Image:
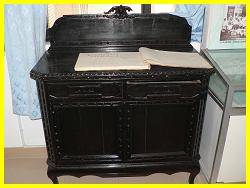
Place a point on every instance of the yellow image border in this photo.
(112, 2)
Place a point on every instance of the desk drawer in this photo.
(85, 90)
(160, 90)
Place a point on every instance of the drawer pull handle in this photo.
(85, 95)
(161, 95)
(87, 89)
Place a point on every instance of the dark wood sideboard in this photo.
(120, 123)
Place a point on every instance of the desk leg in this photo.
(192, 176)
(53, 177)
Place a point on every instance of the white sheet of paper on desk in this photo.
(110, 61)
(173, 59)
(139, 60)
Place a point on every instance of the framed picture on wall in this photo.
(224, 26)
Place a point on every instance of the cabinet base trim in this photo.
(126, 171)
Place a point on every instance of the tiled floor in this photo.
(29, 166)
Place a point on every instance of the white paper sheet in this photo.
(110, 61)
(173, 59)
(139, 60)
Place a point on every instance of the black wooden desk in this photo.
(120, 123)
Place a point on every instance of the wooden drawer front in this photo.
(86, 90)
(160, 90)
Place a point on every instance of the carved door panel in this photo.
(164, 131)
(87, 133)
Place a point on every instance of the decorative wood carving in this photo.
(120, 12)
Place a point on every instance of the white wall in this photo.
(233, 163)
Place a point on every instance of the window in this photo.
(57, 10)
(162, 8)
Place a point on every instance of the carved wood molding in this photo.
(120, 12)
(109, 75)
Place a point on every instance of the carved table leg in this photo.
(192, 176)
(54, 180)
(53, 177)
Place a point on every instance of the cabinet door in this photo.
(164, 131)
(86, 133)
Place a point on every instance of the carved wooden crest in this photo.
(120, 12)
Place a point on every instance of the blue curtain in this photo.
(194, 13)
(25, 31)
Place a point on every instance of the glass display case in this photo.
(223, 136)
(227, 84)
